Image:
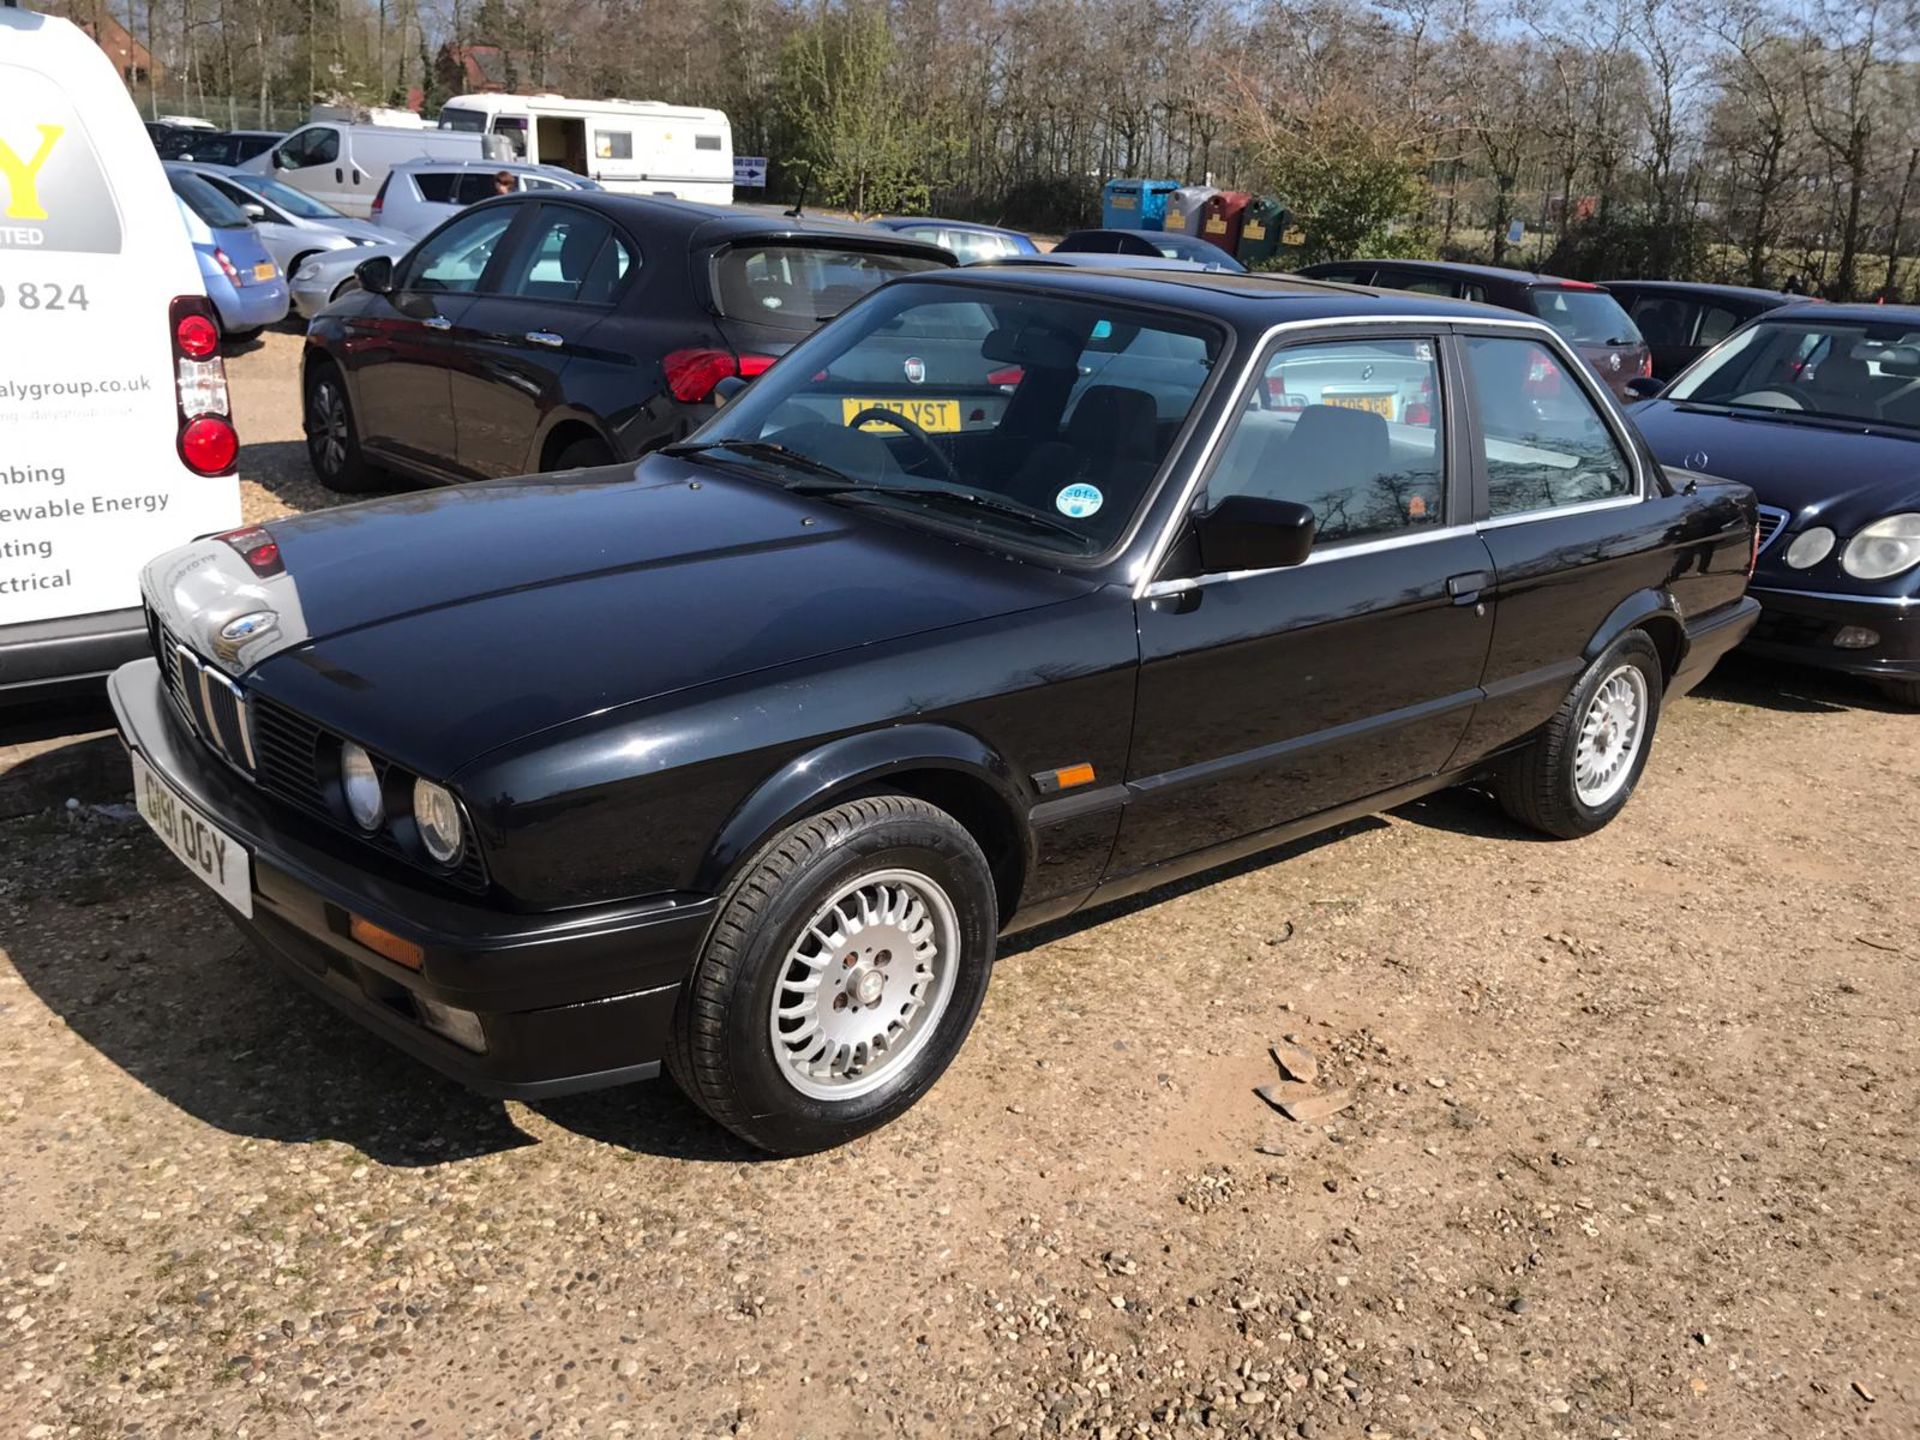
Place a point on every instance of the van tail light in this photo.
(207, 441)
(1420, 408)
(1543, 377)
(692, 374)
(1009, 376)
(226, 265)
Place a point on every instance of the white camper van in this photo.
(343, 165)
(641, 147)
(115, 437)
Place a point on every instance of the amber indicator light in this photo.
(385, 942)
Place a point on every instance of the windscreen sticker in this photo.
(1077, 502)
(53, 195)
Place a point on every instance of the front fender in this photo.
(848, 765)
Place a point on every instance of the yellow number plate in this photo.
(936, 416)
(264, 270)
(1378, 404)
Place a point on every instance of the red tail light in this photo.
(226, 265)
(1010, 376)
(1543, 377)
(1646, 365)
(692, 374)
(1420, 409)
(207, 441)
(209, 445)
(195, 336)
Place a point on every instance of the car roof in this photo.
(1691, 287)
(517, 167)
(1245, 299)
(1097, 258)
(1504, 273)
(903, 222)
(1860, 314)
(711, 225)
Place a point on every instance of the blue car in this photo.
(1149, 243)
(1817, 407)
(967, 240)
(245, 285)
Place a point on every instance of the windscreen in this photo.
(1834, 370)
(795, 287)
(457, 118)
(209, 204)
(1586, 317)
(1004, 415)
(294, 202)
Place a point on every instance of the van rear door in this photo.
(96, 399)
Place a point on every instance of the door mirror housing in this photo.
(253, 211)
(1253, 532)
(727, 389)
(375, 275)
(1644, 386)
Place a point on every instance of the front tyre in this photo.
(1579, 771)
(841, 976)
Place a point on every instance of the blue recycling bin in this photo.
(1136, 204)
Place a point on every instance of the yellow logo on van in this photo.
(23, 176)
(54, 191)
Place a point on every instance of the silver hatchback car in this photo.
(418, 194)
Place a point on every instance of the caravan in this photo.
(641, 147)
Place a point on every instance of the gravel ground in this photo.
(1632, 1152)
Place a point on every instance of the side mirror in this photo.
(1253, 532)
(254, 212)
(280, 160)
(729, 387)
(1645, 386)
(375, 275)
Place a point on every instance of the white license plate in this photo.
(203, 847)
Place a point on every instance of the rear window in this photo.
(436, 188)
(208, 203)
(796, 287)
(1586, 317)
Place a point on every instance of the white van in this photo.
(343, 165)
(641, 147)
(115, 441)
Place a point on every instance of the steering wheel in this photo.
(911, 429)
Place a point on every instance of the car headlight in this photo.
(1884, 548)
(1810, 547)
(361, 784)
(438, 816)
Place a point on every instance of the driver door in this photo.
(403, 346)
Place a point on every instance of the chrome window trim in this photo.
(1160, 588)
(1585, 507)
(1439, 325)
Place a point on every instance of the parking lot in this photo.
(1633, 1153)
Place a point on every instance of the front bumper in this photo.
(1801, 626)
(571, 1001)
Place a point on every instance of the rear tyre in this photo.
(333, 440)
(842, 974)
(1901, 692)
(582, 455)
(1580, 770)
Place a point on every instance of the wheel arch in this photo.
(945, 766)
(563, 430)
(1654, 612)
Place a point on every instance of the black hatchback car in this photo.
(546, 331)
(1585, 314)
(739, 759)
(1681, 321)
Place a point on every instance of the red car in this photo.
(1590, 318)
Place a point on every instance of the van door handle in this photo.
(545, 337)
(440, 322)
(338, 176)
(1465, 589)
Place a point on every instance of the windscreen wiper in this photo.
(765, 450)
(973, 498)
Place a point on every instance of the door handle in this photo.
(1465, 589)
(440, 322)
(545, 337)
